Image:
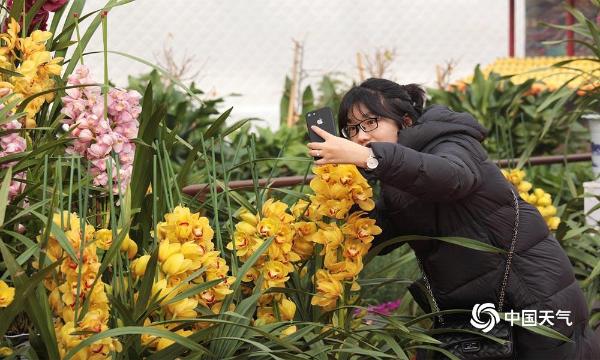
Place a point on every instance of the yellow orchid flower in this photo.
(223, 289)
(245, 228)
(329, 235)
(349, 175)
(166, 249)
(138, 266)
(207, 298)
(49, 68)
(355, 249)
(160, 287)
(216, 269)
(328, 290)
(269, 227)
(129, 246)
(68, 220)
(216, 308)
(287, 309)
(276, 209)
(306, 209)
(103, 348)
(363, 197)
(69, 341)
(346, 269)
(55, 301)
(7, 294)
(10, 38)
(285, 234)
(288, 331)
(176, 264)
(264, 315)
(248, 217)
(150, 340)
(275, 274)
(94, 320)
(336, 209)
(183, 309)
(324, 171)
(304, 229)
(191, 250)
(164, 343)
(31, 45)
(250, 275)
(358, 226)
(180, 221)
(303, 246)
(103, 238)
(245, 244)
(202, 233)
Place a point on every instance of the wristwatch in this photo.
(372, 161)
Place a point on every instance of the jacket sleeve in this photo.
(450, 171)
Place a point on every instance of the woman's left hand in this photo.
(337, 150)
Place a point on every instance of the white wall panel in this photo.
(245, 46)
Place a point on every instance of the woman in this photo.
(436, 180)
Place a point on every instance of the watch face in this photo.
(372, 163)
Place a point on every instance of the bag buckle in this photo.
(470, 346)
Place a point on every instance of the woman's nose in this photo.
(362, 137)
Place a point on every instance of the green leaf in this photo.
(150, 119)
(10, 72)
(456, 240)
(214, 128)
(393, 344)
(193, 290)
(17, 9)
(4, 194)
(236, 126)
(27, 210)
(595, 272)
(542, 330)
(577, 231)
(361, 351)
(185, 169)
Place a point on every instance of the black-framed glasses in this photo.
(366, 125)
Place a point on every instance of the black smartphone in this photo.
(322, 118)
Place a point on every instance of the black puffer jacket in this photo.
(438, 181)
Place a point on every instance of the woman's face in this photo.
(386, 130)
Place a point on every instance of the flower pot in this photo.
(591, 190)
(593, 121)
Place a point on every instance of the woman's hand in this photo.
(337, 150)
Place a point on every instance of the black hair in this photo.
(384, 98)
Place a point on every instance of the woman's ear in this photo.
(407, 121)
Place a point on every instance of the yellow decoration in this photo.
(539, 198)
(547, 77)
